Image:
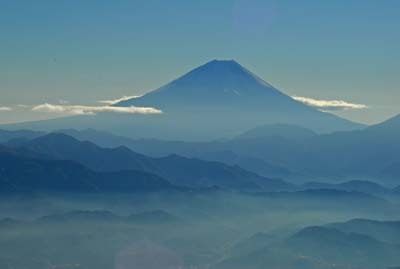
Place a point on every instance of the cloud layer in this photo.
(92, 110)
(5, 108)
(329, 104)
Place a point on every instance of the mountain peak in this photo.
(217, 82)
(223, 62)
(225, 96)
(226, 71)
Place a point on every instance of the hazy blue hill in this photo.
(387, 231)
(334, 246)
(291, 132)
(101, 138)
(353, 185)
(253, 243)
(64, 147)
(317, 247)
(274, 259)
(253, 164)
(20, 174)
(210, 173)
(372, 153)
(367, 152)
(176, 169)
(6, 135)
(328, 199)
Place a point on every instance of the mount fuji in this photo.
(222, 97)
(216, 100)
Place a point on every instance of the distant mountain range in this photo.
(20, 174)
(288, 151)
(219, 99)
(8, 136)
(355, 244)
(54, 151)
(57, 155)
(387, 231)
(284, 151)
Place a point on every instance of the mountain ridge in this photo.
(180, 171)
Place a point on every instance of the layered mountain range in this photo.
(60, 160)
(285, 151)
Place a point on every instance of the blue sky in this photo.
(79, 52)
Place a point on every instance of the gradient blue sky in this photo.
(84, 51)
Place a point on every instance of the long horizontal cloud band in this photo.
(329, 104)
(91, 110)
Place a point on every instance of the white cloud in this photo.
(5, 108)
(22, 106)
(113, 102)
(329, 104)
(92, 110)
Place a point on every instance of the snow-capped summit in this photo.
(216, 82)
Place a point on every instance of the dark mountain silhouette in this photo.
(176, 169)
(21, 174)
(212, 151)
